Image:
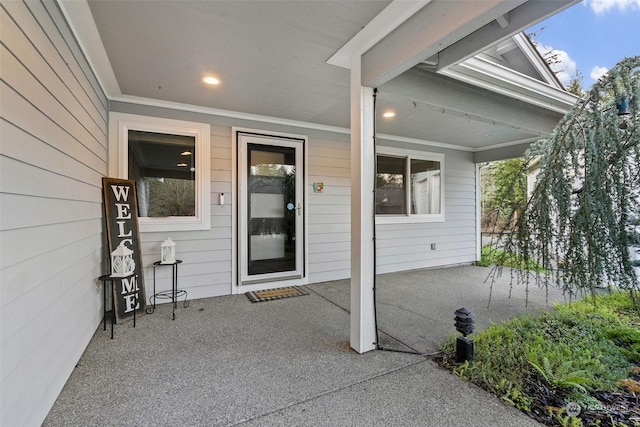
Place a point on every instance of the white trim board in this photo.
(236, 288)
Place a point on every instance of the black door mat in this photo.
(273, 294)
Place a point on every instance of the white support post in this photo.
(362, 213)
(478, 212)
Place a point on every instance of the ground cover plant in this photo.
(491, 256)
(585, 353)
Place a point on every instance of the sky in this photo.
(591, 37)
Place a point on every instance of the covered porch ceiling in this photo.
(288, 62)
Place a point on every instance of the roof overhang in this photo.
(439, 31)
(403, 35)
(489, 75)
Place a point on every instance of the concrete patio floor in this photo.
(226, 361)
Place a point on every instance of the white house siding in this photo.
(207, 267)
(52, 158)
(329, 211)
(207, 255)
(407, 246)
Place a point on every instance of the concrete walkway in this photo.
(226, 361)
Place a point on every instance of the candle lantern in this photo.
(122, 263)
(623, 105)
(168, 250)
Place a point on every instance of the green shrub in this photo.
(489, 255)
(582, 346)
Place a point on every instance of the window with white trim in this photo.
(169, 161)
(410, 186)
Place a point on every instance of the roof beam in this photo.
(503, 21)
(519, 19)
(385, 22)
(501, 153)
(436, 26)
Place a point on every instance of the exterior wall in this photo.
(207, 268)
(407, 246)
(329, 211)
(206, 255)
(52, 158)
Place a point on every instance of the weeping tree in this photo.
(581, 217)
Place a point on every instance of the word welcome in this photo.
(129, 286)
(121, 213)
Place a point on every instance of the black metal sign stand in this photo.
(108, 278)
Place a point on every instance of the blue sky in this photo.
(591, 37)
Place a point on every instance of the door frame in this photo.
(236, 259)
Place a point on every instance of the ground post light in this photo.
(465, 325)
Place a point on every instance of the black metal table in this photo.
(173, 294)
(109, 278)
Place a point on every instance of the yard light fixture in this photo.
(168, 255)
(122, 263)
(623, 106)
(465, 325)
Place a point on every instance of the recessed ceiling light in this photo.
(185, 153)
(211, 80)
(182, 165)
(389, 114)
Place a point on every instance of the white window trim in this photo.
(408, 155)
(119, 126)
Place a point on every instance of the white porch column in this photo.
(362, 212)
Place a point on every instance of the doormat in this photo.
(273, 294)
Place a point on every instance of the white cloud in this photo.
(598, 71)
(565, 68)
(603, 6)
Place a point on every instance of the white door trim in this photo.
(236, 286)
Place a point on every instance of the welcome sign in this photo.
(121, 216)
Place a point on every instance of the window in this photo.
(410, 186)
(169, 161)
(163, 167)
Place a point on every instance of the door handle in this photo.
(299, 209)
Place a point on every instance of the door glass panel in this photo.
(271, 215)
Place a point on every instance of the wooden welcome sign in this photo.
(121, 216)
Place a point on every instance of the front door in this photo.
(271, 219)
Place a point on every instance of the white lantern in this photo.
(168, 252)
(122, 263)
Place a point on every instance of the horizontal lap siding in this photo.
(407, 246)
(403, 246)
(52, 159)
(206, 268)
(207, 265)
(330, 211)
